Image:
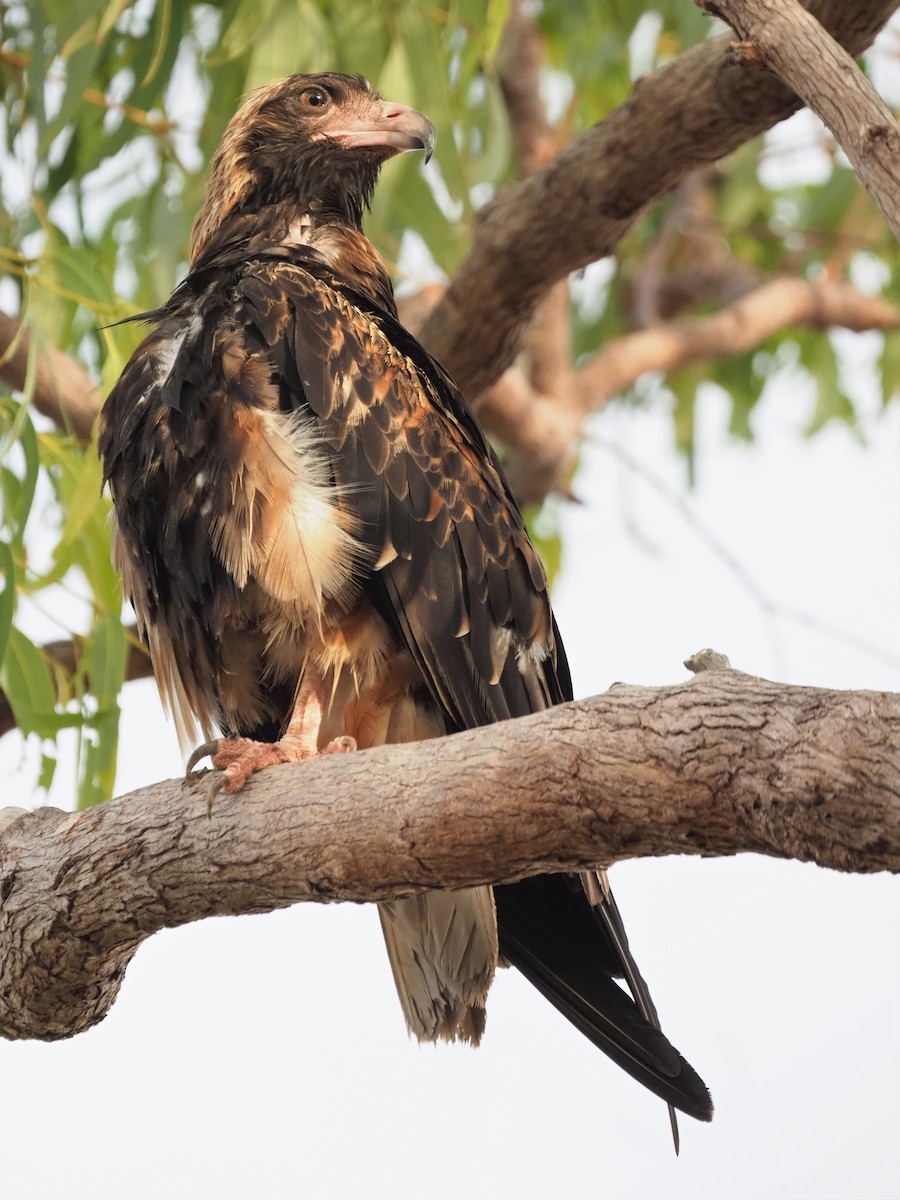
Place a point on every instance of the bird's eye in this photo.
(313, 97)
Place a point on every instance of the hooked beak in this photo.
(393, 126)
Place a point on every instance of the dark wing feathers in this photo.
(434, 506)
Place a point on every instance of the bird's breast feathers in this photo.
(230, 523)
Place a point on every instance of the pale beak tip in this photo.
(428, 140)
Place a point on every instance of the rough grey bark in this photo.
(781, 36)
(721, 764)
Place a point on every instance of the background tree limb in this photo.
(783, 37)
(63, 390)
(721, 764)
(598, 186)
(545, 430)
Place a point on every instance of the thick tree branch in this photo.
(600, 183)
(782, 36)
(721, 764)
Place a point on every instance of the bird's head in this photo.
(309, 143)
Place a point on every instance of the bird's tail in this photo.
(443, 950)
(573, 952)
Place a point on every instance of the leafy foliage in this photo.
(111, 109)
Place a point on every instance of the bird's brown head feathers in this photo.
(305, 148)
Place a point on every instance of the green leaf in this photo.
(743, 383)
(497, 15)
(683, 384)
(48, 770)
(359, 33)
(827, 204)
(25, 678)
(543, 523)
(18, 491)
(74, 270)
(104, 665)
(72, 20)
(890, 366)
(7, 597)
(76, 475)
(832, 402)
(79, 65)
(83, 500)
(97, 776)
(104, 661)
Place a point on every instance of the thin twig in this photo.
(771, 609)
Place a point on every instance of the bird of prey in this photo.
(322, 550)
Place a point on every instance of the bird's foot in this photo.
(236, 759)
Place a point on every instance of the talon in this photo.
(212, 787)
(207, 750)
(340, 745)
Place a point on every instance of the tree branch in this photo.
(545, 432)
(63, 390)
(721, 764)
(689, 261)
(781, 36)
(773, 306)
(599, 185)
(520, 66)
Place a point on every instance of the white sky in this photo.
(266, 1056)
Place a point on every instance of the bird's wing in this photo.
(452, 569)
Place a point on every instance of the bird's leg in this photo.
(238, 757)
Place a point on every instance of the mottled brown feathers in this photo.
(326, 451)
(309, 520)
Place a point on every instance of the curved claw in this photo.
(212, 785)
(207, 750)
(340, 745)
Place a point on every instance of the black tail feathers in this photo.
(572, 951)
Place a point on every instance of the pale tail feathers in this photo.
(442, 948)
